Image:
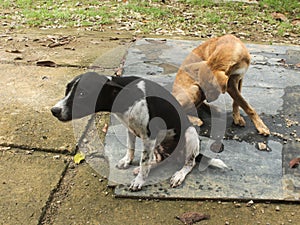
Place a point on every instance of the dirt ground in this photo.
(33, 146)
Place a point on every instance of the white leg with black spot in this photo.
(192, 150)
(128, 158)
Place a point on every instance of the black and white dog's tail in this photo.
(205, 161)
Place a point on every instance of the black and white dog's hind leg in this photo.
(146, 162)
(192, 150)
(128, 158)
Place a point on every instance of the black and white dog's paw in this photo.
(137, 183)
(177, 178)
(124, 163)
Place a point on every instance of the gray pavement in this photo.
(266, 174)
(39, 182)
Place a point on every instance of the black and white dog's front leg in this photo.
(128, 158)
(145, 165)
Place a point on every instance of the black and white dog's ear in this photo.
(117, 86)
(114, 87)
(114, 84)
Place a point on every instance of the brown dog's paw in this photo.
(239, 121)
(263, 130)
(195, 121)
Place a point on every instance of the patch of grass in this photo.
(188, 17)
(202, 3)
(283, 6)
(283, 27)
(5, 4)
(24, 3)
(64, 13)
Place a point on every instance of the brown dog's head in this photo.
(212, 83)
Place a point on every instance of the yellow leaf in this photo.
(79, 157)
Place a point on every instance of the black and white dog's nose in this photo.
(56, 111)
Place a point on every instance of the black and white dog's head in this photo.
(86, 94)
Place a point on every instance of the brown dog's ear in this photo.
(212, 83)
(222, 80)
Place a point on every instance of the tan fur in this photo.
(216, 66)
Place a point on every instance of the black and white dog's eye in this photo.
(80, 93)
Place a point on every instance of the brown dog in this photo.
(216, 66)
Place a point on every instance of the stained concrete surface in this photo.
(26, 100)
(47, 188)
(25, 189)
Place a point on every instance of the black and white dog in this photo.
(149, 112)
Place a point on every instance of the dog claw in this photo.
(123, 163)
(122, 166)
(195, 121)
(264, 131)
(177, 179)
(239, 121)
(262, 128)
(135, 188)
(136, 184)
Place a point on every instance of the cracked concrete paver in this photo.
(26, 183)
(83, 196)
(27, 94)
(28, 91)
(81, 50)
(89, 201)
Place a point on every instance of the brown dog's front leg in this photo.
(190, 98)
(240, 101)
(196, 121)
(236, 84)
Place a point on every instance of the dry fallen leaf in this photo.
(279, 16)
(105, 128)
(13, 51)
(294, 163)
(296, 22)
(46, 63)
(18, 58)
(192, 217)
(79, 157)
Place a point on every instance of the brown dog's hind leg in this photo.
(240, 101)
(196, 121)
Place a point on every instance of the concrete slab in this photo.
(29, 91)
(65, 48)
(27, 181)
(270, 86)
(83, 198)
(27, 94)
